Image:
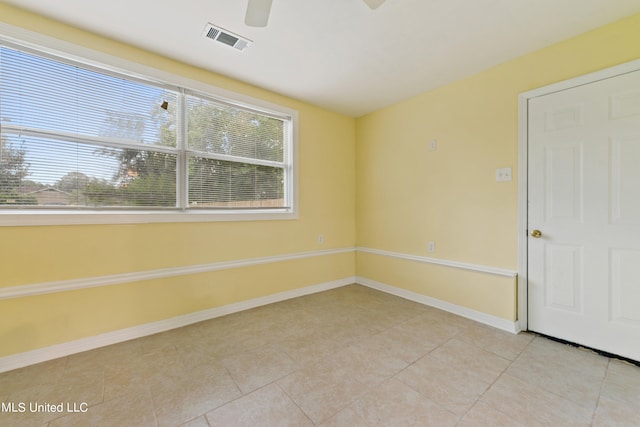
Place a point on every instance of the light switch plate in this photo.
(503, 175)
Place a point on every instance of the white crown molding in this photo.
(478, 316)
(443, 262)
(32, 357)
(116, 279)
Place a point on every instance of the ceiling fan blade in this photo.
(374, 4)
(258, 13)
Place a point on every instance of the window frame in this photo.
(19, 38)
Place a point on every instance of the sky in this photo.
(40, 93)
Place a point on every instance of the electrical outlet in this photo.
(320, 239)
(431, 246)
(433, 145)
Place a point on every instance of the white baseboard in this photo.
(32, 357)
(478, 316)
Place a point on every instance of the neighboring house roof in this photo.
(51, 196)
(49, 189)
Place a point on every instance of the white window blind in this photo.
(236, 157)
(77, 137)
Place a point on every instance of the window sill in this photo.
(16, 218)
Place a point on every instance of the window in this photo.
(78, 138)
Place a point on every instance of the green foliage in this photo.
(73, 181)
(212, 180)
(214, 129)
(17, 199)
(225, 130)
(149, 178)
(13, 168)
(146, 177)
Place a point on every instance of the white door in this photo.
(584, 201)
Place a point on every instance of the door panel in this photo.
(584, 198)
(625, 292)
(563, 281)
(563, 182)
(625, 104)
(625, 182)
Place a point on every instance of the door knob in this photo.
(536, 234)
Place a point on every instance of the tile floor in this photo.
(351, 356)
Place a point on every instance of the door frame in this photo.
(523, 172)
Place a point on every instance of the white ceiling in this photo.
(339, 54)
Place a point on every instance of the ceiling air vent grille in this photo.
(226, 37)
(212, 33)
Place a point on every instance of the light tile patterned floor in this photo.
(351, 356)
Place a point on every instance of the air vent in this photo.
(226, 37)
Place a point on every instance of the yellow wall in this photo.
(33, 255)
(407, 195)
